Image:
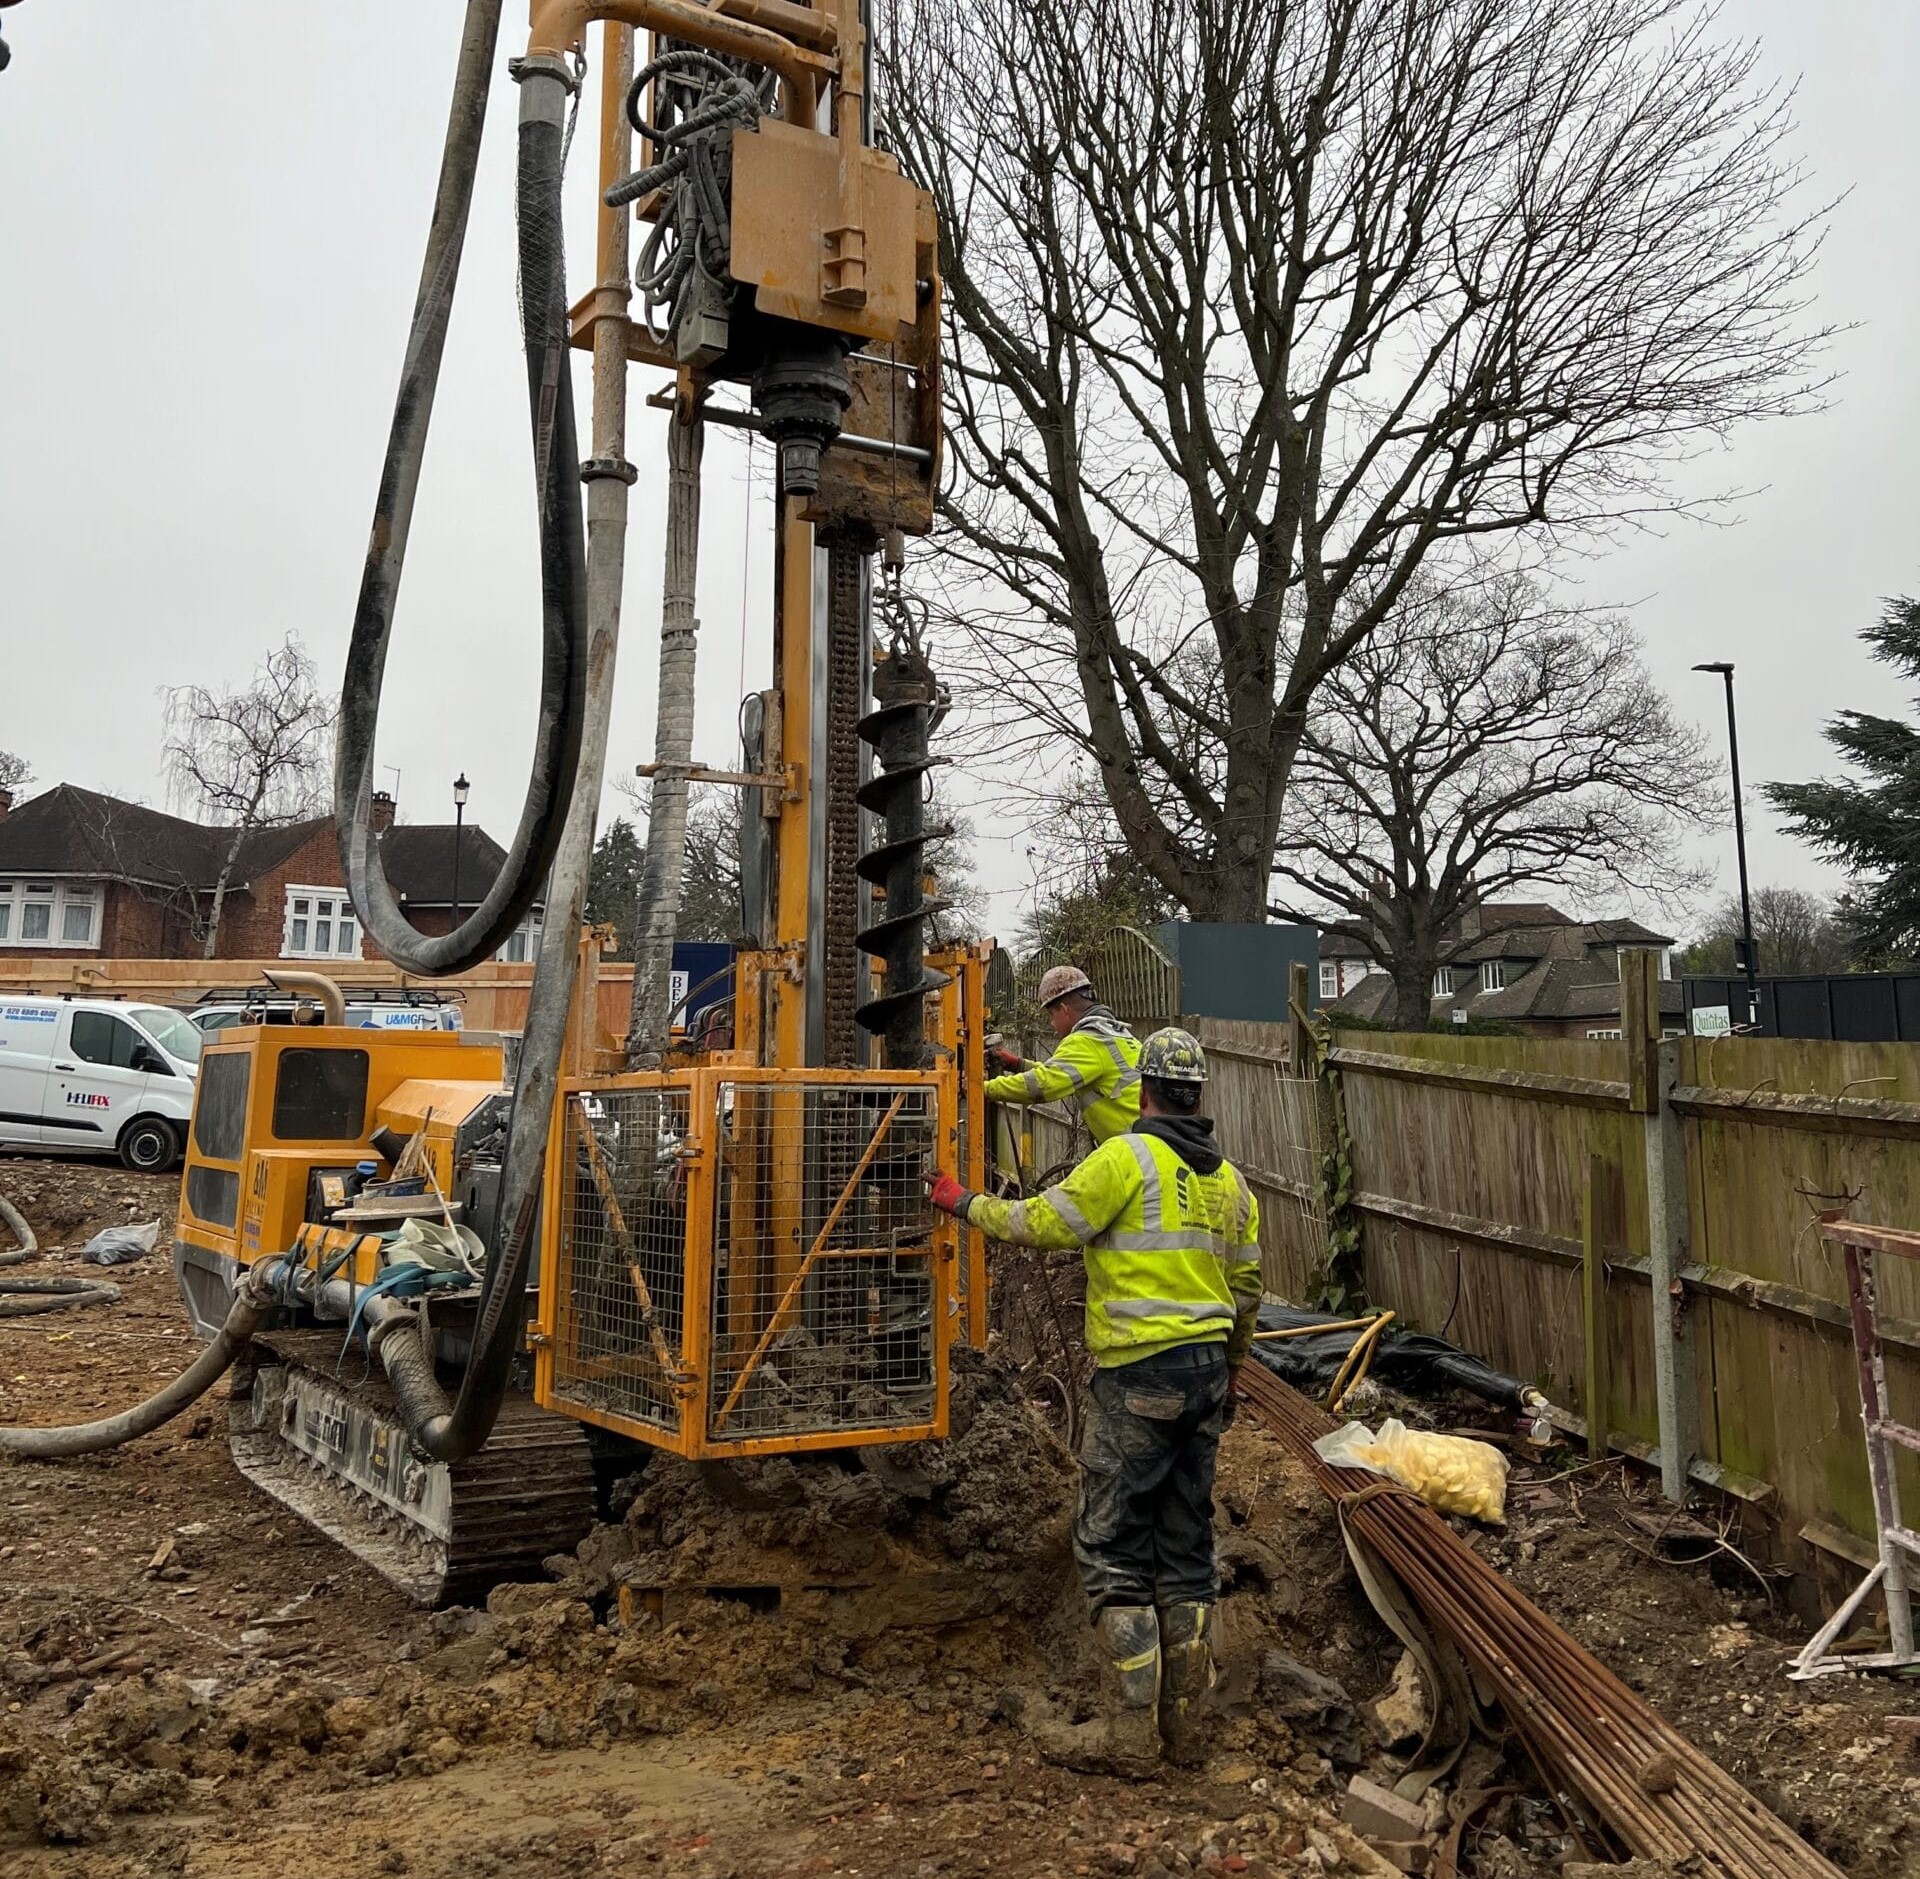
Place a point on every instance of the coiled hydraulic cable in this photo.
(692, 234)
(563, 623)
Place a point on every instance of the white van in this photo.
(93, 1076)
(362, 1014)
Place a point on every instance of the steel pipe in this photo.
(1578, 1718)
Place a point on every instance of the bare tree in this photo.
(253, 758)
(1254, 306)
(1793, 931)
(15, 772)
(1483, 740)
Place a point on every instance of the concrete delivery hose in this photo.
(253, 1305)
(563, 626)
(547, 838)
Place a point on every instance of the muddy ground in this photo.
(771, 1671)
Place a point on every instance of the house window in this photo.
(524, 942)
(1443, 982)
(77, 917)
(320, 924)
(1614, 1035)
(50, 913)
(1329, 979)
(1493, 975)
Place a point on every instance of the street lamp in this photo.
(461, 789)
(1749, 962)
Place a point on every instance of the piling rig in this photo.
(548, 1258)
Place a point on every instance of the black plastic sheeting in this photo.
(1408, 1360)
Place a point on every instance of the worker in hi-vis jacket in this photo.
(1169, 1229)
(1096, 1067)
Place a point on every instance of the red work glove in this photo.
(948, 1195)
(1004, 1059)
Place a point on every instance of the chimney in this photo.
(1472, 922)
(382, 811)
(6, 803)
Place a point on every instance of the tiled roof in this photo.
(72, 831)
(419, 860)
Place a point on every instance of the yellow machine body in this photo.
(281, 1109)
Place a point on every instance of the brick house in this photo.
(84, 875)
(1523, 962)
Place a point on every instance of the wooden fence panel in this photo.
(1470, 1158)
(1472, 1196)
(1268, 1123)
(1785, 1388)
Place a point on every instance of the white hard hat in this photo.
(1059, 982)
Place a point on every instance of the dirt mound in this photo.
(931, 1578)
(67, 1202)
(925, 1533)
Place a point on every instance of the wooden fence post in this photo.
(1299, 1036)
(1653, 1070)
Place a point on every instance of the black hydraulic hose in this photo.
(452, 1431)
(562, 700)
(252, 1305)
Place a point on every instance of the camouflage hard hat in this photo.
(1173, 1056)
(1059, 982)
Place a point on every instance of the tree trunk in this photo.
(220, 893)
(1412, 993)
(659, 900)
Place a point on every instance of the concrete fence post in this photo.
(1653, 1070)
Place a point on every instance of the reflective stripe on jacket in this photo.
(1172, 1255)
(1097, 1068)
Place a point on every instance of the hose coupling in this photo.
(598, 469)
(546, 65)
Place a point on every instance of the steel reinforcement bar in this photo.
(1645, 1781)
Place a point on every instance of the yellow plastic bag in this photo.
(1450, 1472)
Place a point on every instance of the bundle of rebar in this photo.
(1640, 1778)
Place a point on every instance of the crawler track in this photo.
(324, 1437)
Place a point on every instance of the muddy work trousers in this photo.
(1143, 1534)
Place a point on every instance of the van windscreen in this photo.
(169, 1030)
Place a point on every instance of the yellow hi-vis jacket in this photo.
(1172, 1255)
(1097, 1066)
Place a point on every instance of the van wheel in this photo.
(149, 1146)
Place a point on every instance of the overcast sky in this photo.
(211, 215)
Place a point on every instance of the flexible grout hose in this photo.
(563, 660)
(16, 1224)
(28, 1298)
(252, 1305)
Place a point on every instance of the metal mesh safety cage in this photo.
(745, 1261)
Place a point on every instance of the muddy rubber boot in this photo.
(1125, 1738)
(1186, 1675)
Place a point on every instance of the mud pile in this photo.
(919, 1533)
(932, 1579)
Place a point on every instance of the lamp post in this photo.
(461, 790)
(1749, 963)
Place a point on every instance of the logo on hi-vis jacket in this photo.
(88, 1099)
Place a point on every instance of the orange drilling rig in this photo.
(549, 1257)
